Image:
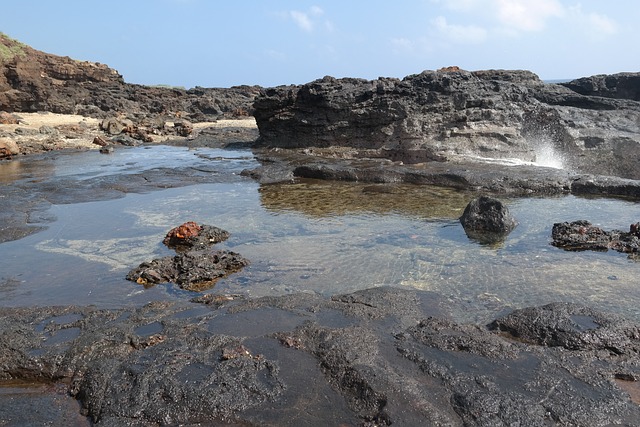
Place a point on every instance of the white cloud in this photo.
(401, 45)
(317, 11)
(460, 5)
(602, 24)
(519, 15)
(527, 15)
(304, 20)
(594, 26)
(463, 34)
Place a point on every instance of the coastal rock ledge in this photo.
(458, 115)
(377, 357)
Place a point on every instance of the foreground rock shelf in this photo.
(526, 180)
(375, 357)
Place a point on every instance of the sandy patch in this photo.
(38, 132)
(248, 122)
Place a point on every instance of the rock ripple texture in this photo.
(376, 357)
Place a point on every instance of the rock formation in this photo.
(581, 235)
(456, 115)
(31, 80)
(620, 86)
(487, 220)
(377, 357)
(195, 267)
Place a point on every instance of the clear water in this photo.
(315, 236)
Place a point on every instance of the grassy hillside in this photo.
(10, 48)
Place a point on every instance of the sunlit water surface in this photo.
(315, 236)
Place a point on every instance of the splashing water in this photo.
(547, 155)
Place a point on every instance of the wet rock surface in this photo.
(582, 235)
(195, 267)
(278, 165)
(375, 357)
(487, 220)
(196, 270)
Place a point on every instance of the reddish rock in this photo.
(98, 140)
(451, 69)
(190, 235)
(180, 234)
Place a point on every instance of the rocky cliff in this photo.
(457, 115)
(621, 85)
(31, 80)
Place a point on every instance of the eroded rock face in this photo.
(453, 115)
(382, 356)
(31, 81)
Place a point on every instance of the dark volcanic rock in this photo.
(381, 356)
(456, 115)
(621, 86)
(487, 219)
(573, 327)
(582, 235)
(194, 268)
(192, 271)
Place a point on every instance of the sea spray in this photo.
(546, 153)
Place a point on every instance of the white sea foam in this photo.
(546, 154)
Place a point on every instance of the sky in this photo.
(213, 43)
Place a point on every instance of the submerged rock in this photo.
(487, 220)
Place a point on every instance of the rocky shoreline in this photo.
(381, 356)
(375, 357)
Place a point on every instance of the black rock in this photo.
(459, 115)
(382, 356)
(487, 219)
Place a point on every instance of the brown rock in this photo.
(183, 127)
(8, 148)
(180, 234)
(115, 126)
(98, 140)
(8, 118)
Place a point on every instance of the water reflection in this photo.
(318, 198)
(324, 237)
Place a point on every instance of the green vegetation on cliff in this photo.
(10, 48)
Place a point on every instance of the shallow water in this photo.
(311, 236)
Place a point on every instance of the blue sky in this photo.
(224, 43)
